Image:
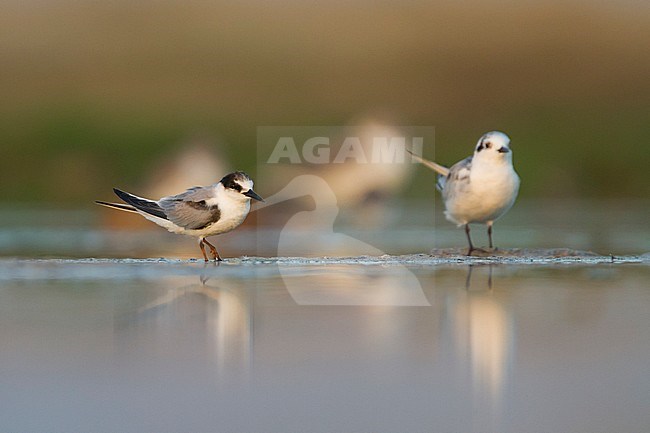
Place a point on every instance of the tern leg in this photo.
(213, 250)
(203, 249)
(489, 224)
(469, 240)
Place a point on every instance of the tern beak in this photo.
(503, 150)
(252, 194)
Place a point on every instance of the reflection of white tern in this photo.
(394, 285)
(484, 338)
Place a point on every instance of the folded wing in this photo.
(457, 178)
(190, 209)
(142, 204)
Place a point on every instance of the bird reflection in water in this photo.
(210, 325)
(468, 280)
(484, 338)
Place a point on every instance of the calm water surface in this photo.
(179, 347)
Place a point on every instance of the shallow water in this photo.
(532, 340)
(606, 227)
(323, 346)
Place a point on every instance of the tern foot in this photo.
(213, 251)
(480, 251)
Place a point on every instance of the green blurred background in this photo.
(93, 92)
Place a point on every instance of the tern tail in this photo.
(440, 169)
(141, 204)
(119, 206)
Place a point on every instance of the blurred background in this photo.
(123, 93)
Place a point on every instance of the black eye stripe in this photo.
(229, 181)
(484, 145)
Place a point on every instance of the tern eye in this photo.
(488, 145)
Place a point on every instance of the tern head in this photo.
(494, 145)
(239, 186)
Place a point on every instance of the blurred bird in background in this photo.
(364, 184)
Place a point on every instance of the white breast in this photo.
(232, 215)
(490, 193)
(234, 208)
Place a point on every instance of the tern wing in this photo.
(440, 169)
(141, 204)
(190, 210)
(460, 171)
(457, 178)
